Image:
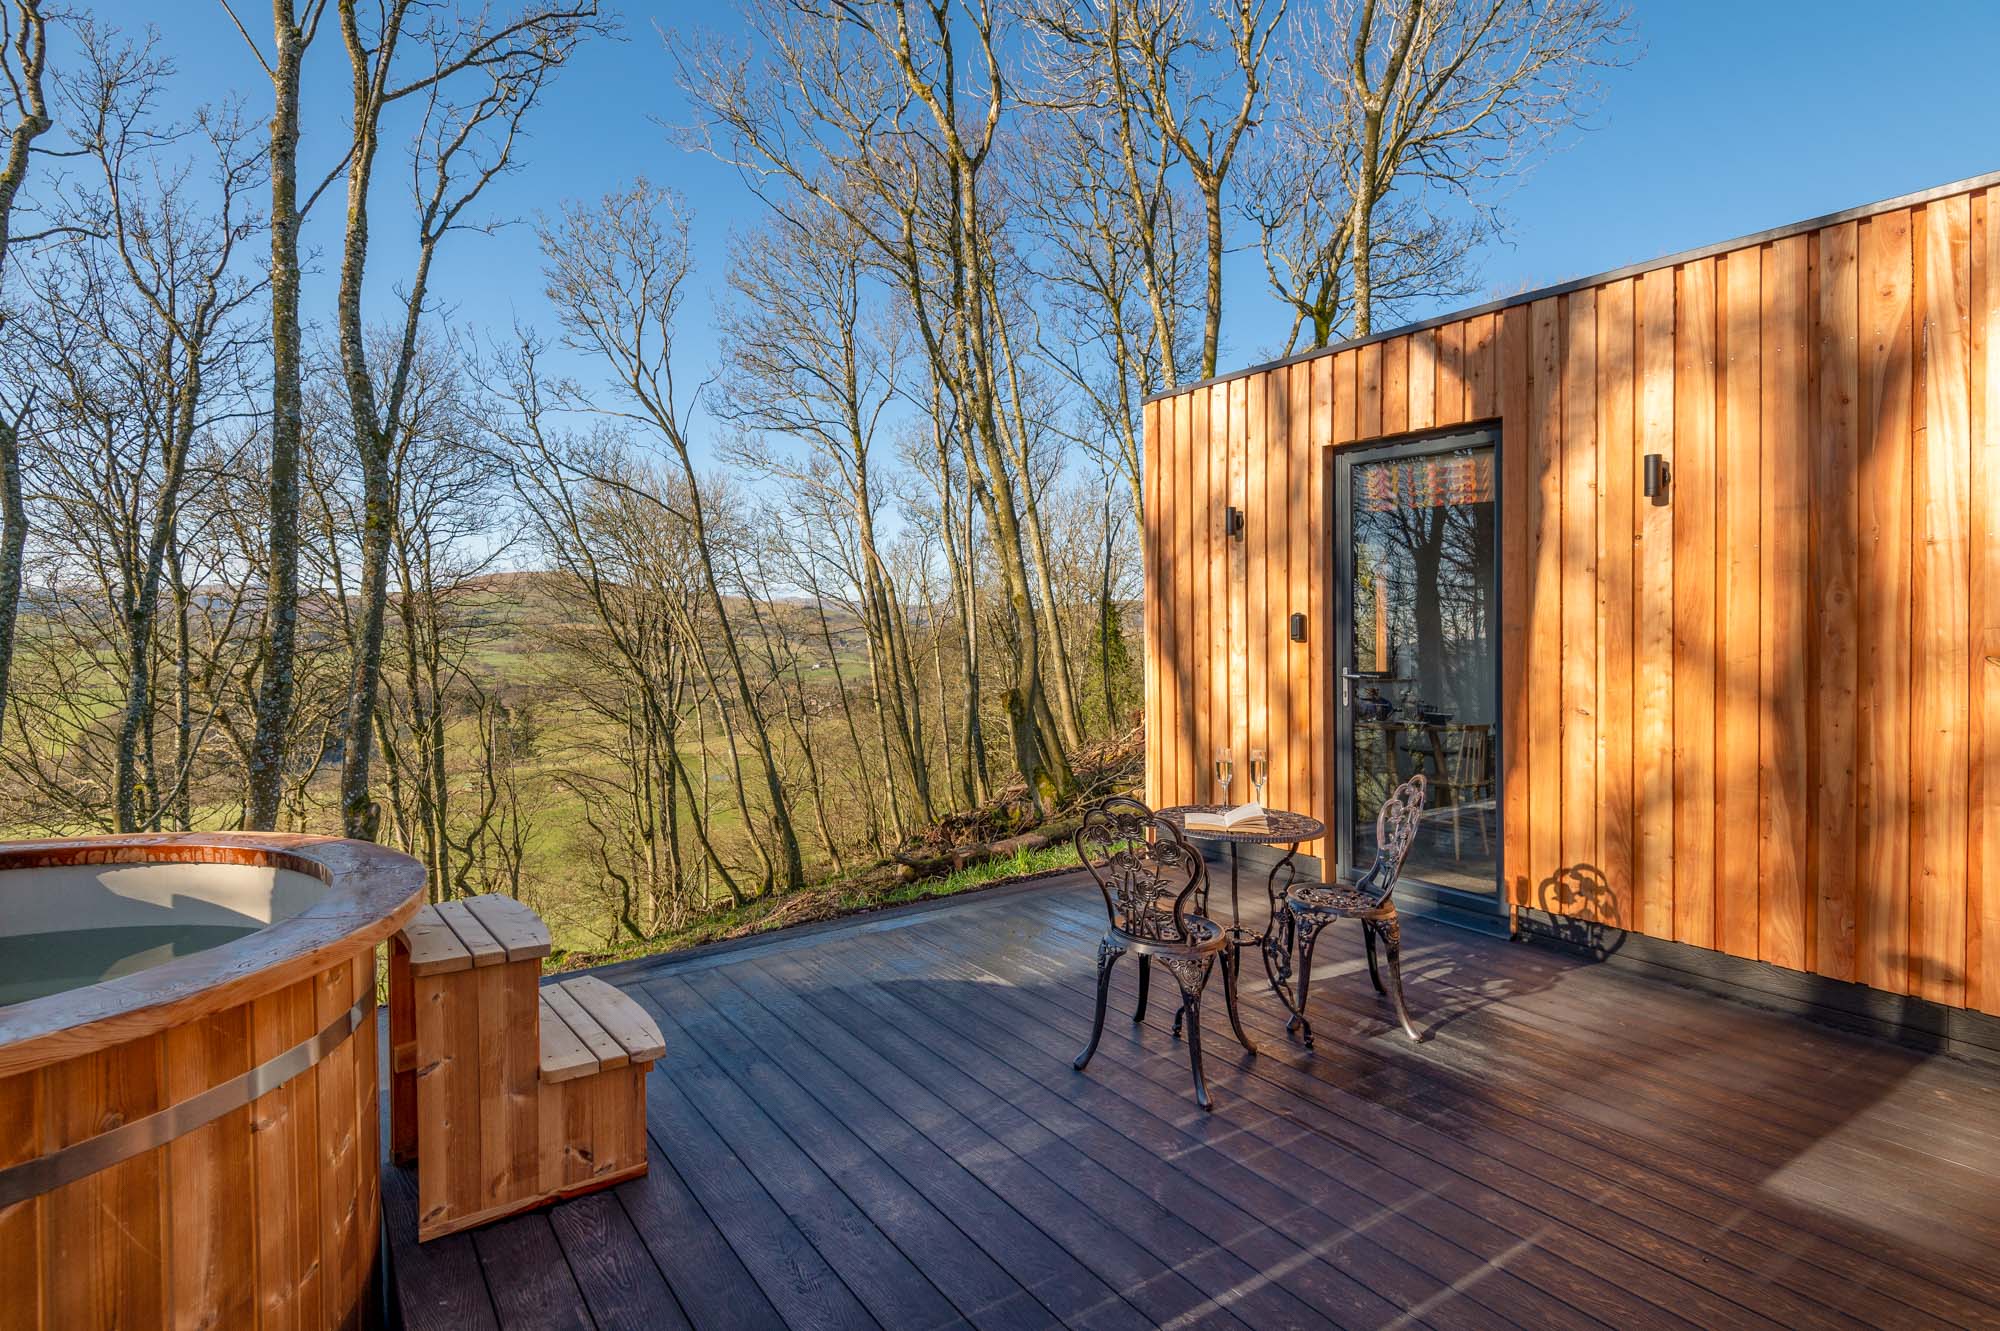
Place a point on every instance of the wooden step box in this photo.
(506, 1093)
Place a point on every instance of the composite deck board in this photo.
(1127, 1267)
(1153, 1066)
(772, 1020)
(1381, 1244)
(712, 1286)
(1147, 1209)
(799, 1281)
(978, 1287)
(1557, 1083)
(1553, 1206)
(439, 1284)
(881, 1276)
(877, 1124)
(620, 1283)
(1587, 1172)
(529, 1277)
(1215, 1218)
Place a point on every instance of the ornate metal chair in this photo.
(1310, 907)
(1150, 885)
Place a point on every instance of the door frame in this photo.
(1339, 614)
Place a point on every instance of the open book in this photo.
(1243, 818)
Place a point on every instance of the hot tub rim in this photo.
(371, 893)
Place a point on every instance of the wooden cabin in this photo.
(1681, 583)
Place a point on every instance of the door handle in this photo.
(1347, 677)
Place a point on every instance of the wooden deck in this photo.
(877, 1124)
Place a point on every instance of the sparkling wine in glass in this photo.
(1224, 769)
(1260, 772)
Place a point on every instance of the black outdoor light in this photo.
(1656, 478)
(1298, 628)
(1232, 523)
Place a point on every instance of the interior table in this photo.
(1392, 732)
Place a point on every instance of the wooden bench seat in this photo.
(507, 1093)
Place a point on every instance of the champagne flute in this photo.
(1260, 772)
(1224, 769)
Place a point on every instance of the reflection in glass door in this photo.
(1418, 639)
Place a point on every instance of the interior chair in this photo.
(1468, 780)
(1310, 907)
(1151, 880)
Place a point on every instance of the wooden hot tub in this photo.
(195, 1140)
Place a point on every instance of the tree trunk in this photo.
(735, 767)
(374, 437)
(31, 41)
(276, 682)
(1211, 322)
(1069, 715)
(1037, 743)
(1364, 224)
(359, 816)
(818, 786)
(880, 617)
(897, 826)
(181, 802)
(1108, 629)
(142, 598)
(919, 757)
(13, 545)
(976, 773)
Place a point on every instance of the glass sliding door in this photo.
(1417, 638)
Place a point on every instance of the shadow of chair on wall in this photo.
(1582, 912)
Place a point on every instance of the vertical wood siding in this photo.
(1766, 713)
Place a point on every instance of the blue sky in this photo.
(1737, 117)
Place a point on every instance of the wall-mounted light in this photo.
(1656, 478)
(1232, 524)
(1298, 628)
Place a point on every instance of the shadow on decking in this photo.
(879, 1124)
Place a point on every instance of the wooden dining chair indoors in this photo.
(1151, 880)
(1467, 781)
(1311, 907)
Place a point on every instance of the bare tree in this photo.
(813, 360)
(616, 274)
(152, 287)
(818, 547)
(1204, 108)
(1146, 84)
(1029, 407)
(445, 537)
(876, 117)
(1113, 281)
(294, 25)
(954, 523)
(1448, 95)
(1296, 194)
(622, 537)
(460, 147)
(24, 65)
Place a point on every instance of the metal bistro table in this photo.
(1283, 828)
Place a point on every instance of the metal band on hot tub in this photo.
(81, 1159)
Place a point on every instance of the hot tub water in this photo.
(34, 965)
